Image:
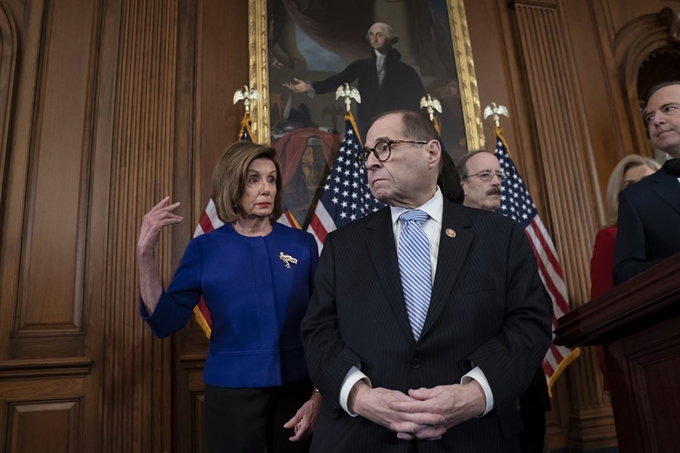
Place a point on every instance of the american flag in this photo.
(209, 221)
(346, 196)
(517, 204)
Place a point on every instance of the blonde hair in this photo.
(230, 174)
(615, 184)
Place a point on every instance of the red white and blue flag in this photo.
(517, 204)
(346, 196)
(210, 221)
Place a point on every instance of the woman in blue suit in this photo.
(256, 277)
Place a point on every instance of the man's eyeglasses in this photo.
(487, 176)
(383, 150)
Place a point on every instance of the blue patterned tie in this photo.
(414, 267)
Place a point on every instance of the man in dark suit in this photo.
(384, 81)
(649, 211)
(481, 179)
(428, 318)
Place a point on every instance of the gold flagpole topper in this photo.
(496, 111)
(430, 104)
(247, 95)
(349, 93)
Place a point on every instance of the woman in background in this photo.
(630, 170)
(256, 277)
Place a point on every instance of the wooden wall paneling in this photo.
(605, 159)
(44, 362)
(16, 176)
(136, 366)
(565, 154)
(51, 299)
(212, 64)
(8, 57)
(619, 13)
(222, 56)
(42, 415)
(57, 423)
(600, 90)
(57, 316)
(184, 192)
(501, 77)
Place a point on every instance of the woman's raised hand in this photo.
(158, 217)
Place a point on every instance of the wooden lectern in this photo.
(638, 323)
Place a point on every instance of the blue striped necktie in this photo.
(414, 267)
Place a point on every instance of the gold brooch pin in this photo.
(287, 259)
(450, 233)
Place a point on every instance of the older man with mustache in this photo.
(649, 211)
(481, 178)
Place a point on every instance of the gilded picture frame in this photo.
(462, 52)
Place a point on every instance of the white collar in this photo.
(433, 207)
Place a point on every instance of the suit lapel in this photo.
(452, 254)
(668, 188)
(383, 254)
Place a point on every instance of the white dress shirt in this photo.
(380, 66)
(432, 228)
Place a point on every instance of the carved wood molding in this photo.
(193, 362)
(562, 139)
(540, 3)
(606, 317)
(634, 42)
(136, 366)
(45, 368)
(593, 428)
(565, 155)
(8, 49)
(670, 17)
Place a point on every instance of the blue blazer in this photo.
(648, 225)
(256, 303)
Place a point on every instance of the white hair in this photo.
(389, 33)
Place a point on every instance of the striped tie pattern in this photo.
(414, 268)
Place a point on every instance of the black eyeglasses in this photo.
(383, 150)
(487, 176)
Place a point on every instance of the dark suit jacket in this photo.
(401, 88)
(648, 225)
(488, 309)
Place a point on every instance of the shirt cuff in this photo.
(353, 376)
(478, 375)
(311, 92)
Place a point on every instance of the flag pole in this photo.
(432, 104)
(209, 220)
(518, 205)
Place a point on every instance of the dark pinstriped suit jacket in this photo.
(488, 309)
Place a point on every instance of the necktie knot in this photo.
(415, 215)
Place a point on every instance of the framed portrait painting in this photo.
(394, 51)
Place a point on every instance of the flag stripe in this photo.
(346, 196)
(550, 259)
(548, 277)
(517, 204)
(210, 221)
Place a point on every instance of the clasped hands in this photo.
(424, 413)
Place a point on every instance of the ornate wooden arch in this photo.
(8, 57)
(634, 43)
